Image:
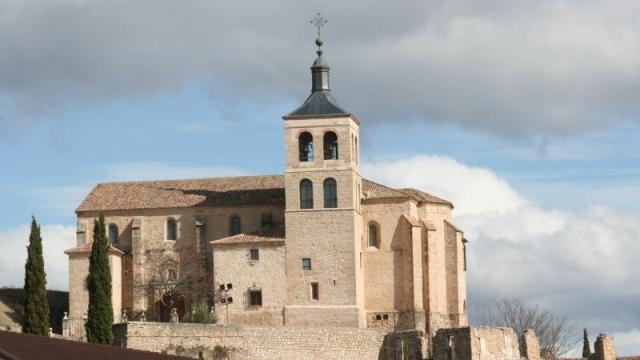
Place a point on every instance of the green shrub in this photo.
(201, 315)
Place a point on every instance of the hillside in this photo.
(11, 301)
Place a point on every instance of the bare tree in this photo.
(555, 333)
(167, 283)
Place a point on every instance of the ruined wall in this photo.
(479, 343)
(530, 347)
(603, 348)
(254, 342)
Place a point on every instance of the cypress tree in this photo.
(35, 319)
(100, 314)
(586, 349)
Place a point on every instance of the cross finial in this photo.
(318, 21)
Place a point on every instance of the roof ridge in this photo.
(141, 182)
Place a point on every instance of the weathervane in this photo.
(318, 21)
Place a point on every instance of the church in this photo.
(315, 246)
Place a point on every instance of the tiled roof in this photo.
(27, 347)
(373, 190)
(275, 235)
(421, 196)
(86, 248)
(238, 190)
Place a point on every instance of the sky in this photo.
(525, 114)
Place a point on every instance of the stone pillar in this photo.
(530, 347)
(603, 348)
(418, 280)
(138, 259)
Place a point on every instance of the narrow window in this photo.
(201, 238)
(464, 253)
(330, 146)
(356, 150)
(373, 235)
(171, 229)
(113, 233)
(330, 193)
(254, 254)
(305, 144)
(306, 194)
(234, 225)
(315, 292)
(255, 297)
(266, 220)
(306, 264)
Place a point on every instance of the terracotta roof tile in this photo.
(238, 190)
(86, 249)
(421, 196)
(275, 235)
(373, 190)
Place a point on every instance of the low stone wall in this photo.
(237, 342)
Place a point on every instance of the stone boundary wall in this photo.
(261, 342)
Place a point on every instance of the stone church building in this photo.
(318, 245)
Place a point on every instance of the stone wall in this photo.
(530, 347)
(233, 265)
(478, 343)
(255, 342)
(603, 348)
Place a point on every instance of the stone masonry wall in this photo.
(603, 348)
(478, 343)
(232, 265)
(255, 342)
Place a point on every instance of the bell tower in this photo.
(323, 221)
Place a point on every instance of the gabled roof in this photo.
(373, 190)
(265, 235)
(222, 191)
(421, 196)
(17, 346)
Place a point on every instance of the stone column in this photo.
(530, 347)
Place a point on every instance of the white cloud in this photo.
(55, 240)
(627, 343)
(473, 190)
(577, 263)
(504, 67)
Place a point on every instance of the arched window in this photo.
(305, 143)
(330, 146)
(235, 227)
(306, 194)
(374, 237)
(172, 232)
(330, 193)
(113, 233)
